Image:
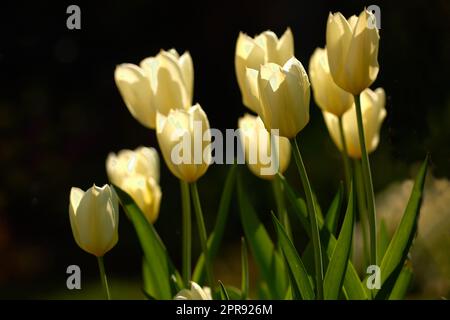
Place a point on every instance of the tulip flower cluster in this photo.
(276, 89)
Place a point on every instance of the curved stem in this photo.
(187, 233)
(202, 233)
(101, 268)
(318, 263)
(370, 198)
(344, 153)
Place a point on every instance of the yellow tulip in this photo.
(253, 52)
(146, 192)
(352, 47)
(160, 83)
(184, 140)
(373, 114)
(94, 218)
(259, 156)
(171, 78)
(137, 173)
(284, 93)
(134, 86)
(195, 293)
(329, 97)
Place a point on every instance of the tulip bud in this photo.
(160, 83)
(373, 113)
(265, 155)
(94, 218)
(134, 86)
(137, 173)
(284, 94)
(195, 293)
(253, 52)
(184, 140)
(352, 51)
(172, 80)
(146, 192)
(329, 97)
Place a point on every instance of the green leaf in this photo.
(157, 267)
(295, 263)
(398, 248)
(216, 236)
(402, 284)
(337, 266)
(293, 291)
(317, 206)
(332, 217)
(298, 204)
(267, 259)
(147, 295)
(244, 262)
(234, 293)
(223, 292)
(353, 289)
(383, 240)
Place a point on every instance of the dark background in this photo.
(61, 114)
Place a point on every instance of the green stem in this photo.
(318, 263)
(187, 233)
(370, 197)
(347, 167)
(362, 206)
(202, 233)
(281, 206)
(101, 267)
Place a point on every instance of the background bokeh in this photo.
(61, 114)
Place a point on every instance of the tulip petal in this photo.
(285, 47)
(252, 90)
(187, 69)
(134, 86)
(95, 218)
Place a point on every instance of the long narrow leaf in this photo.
(244, 263)
(299, 205)
(267, 259)
(295, 263)
(398, 249)
(402, 284)
(337, 266)
(160, 268)
(383, 240)
(216, 236)
(353, 289)
(332, 217)
(223, 292)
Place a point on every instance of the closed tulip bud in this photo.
(134, 86)
(137, 173)
(184, 140)
(146, 192)
(94, 218)
(373, 114)
(195, 293)
(329, 97)
(284, 93)
(160, 83)
(264, 156)
(142, 161)
(172, 80)
(352, 47)
(253, 52)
